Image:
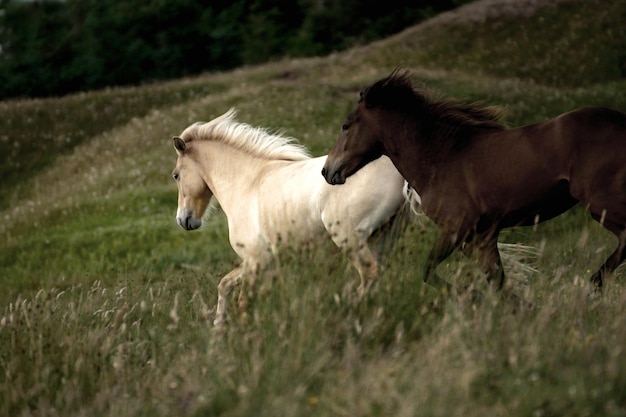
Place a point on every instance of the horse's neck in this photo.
(230, 172)
(415, 158)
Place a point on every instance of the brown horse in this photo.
(477, 177)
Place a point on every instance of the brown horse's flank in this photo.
(475, 176)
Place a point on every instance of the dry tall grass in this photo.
(106, 303)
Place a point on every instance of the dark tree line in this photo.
(57, 47)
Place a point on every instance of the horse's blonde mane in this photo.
(254, 140)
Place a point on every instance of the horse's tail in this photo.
(519, 263)
(412, 199)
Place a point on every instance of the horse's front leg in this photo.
(224, 288)
(490, 260)
(446, 244)
(485, 251)
(612, 263)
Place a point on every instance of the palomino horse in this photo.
(476, 177)
(271, 192)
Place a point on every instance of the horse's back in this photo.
(605, 116)
(596, 138)
(595, 124)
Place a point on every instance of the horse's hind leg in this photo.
(616, 259)
(248, 288)
(224, 288)
(373, 246)
(366, 265)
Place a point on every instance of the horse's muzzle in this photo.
(189, 222)
(332, 176)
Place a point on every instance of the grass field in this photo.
(106, 303)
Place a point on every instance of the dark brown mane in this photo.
(396, 92)
(474, 114)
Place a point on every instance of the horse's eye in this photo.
(345, 127)
(175, 176)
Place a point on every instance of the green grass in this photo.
(578, 43)
(37, 132)
(106, 303)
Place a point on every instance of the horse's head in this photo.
(384, 107)
(359, 143)
(194, 194)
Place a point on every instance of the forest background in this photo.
(51, 48)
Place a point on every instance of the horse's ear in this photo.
(179, 145)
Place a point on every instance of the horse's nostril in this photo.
(324, 171)
(184, 222)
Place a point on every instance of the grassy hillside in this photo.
(106, 303)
